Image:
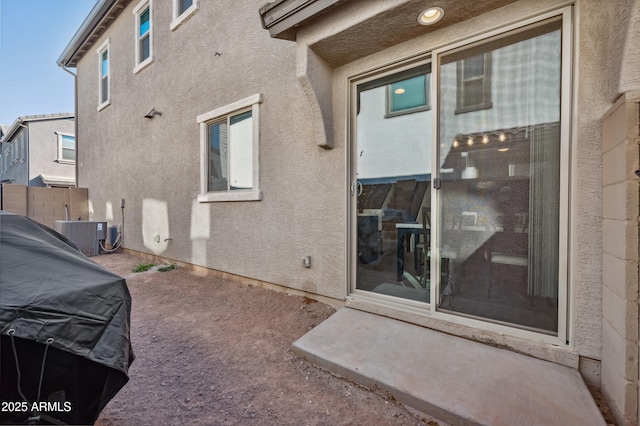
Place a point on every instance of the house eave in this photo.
(283, 17)
(95, 24)
(28, 118)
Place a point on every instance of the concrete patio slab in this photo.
(456, 380)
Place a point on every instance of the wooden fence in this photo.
(45, 205)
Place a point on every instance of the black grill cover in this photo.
(50, 290)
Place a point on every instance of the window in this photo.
(104, 94)
(143, 31)
(66, 148)
(21, 139)
(408, 91)
(14, 151)
(5, 161)
(183, 5)
(474, 83)
(183, 10)
(229, 152)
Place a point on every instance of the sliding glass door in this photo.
(499, 163)
(460, 179)
(391, 186)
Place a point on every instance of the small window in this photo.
(183, 10)
(183, 5)
(144, 33)
(229, 152)
(22, 140)
(14, 152)
(66, 148)
(474, 83)
(6, 160)
(104, 94)
(408, 95)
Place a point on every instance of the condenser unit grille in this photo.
(87, 234)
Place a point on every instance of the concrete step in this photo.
(459, 381)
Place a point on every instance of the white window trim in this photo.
(253, 194)
(105, 46)
(178, 20)
(136, 12)
(61, 160)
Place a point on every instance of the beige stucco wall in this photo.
(154, 163)
(620, 157)
(43, 149)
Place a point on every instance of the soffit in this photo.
(393, 26)
(283, 17)
(92, 29)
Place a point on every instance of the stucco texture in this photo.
(154, 164)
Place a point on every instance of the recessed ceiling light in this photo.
(430, 16)
(399, 91)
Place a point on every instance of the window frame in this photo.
(141, 7)
(60, 137)
(104, 48)
(251, 103)
(389, 98)
(181, 17)
(565, 14)
(487, 102)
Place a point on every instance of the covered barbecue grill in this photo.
(64, 328)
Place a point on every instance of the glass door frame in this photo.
(567, 141)
(352, 193)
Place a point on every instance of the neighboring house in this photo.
(497, 145)
(39, 150)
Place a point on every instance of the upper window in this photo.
(5, 161)
(104, 94)
(21, 140)
(66, 148)
(229, 152)
(143, 30)
(409, 92)
(183, 10)
(474, 83)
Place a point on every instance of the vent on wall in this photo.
(86, 234)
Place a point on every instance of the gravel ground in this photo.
(215, 352)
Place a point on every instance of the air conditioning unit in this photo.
(87, 234)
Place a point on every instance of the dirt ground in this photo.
(214, 352)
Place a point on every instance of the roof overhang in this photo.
(282, 17)
(95, 24)
(357, 29)
(19, 122)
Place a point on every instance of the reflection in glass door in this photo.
(499, 163)
(391, 158)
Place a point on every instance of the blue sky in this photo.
(33, 34)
